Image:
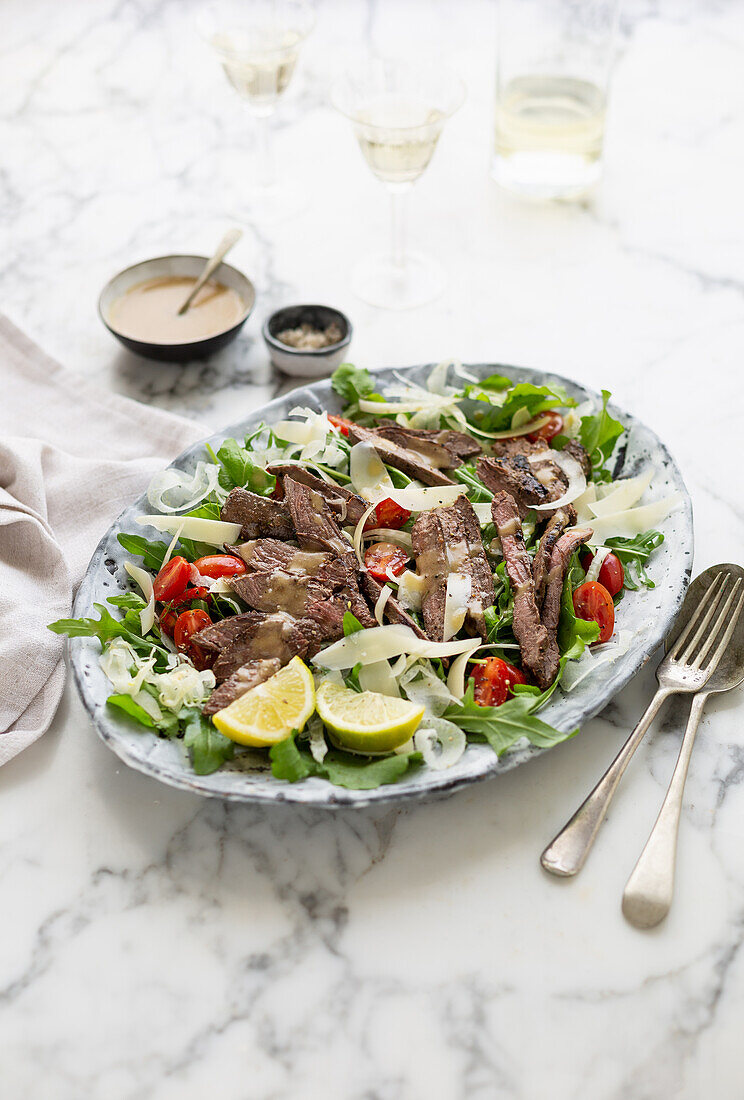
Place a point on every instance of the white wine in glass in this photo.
(398, 111)
(258, 43)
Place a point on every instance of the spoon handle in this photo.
(230, 239)
(648, 893)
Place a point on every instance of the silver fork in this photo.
(687, 667)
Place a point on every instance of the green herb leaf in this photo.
(134, 710)
(574, 634)
(503, 726)
(599, 434)
(360, 773)
(152, 553)
(106, 628)
(498, 416)
(239, 470)
(130, 600)
(209, 749)
(289, 763)
(351, 624)
(351, 383)
(633, 553)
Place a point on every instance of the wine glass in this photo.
(258, 43)
(398, 110)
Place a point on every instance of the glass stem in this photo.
(398, 230)
(266, 164)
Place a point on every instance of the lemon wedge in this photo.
(270, 711)
(366, 721)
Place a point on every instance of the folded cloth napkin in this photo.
(71, 457)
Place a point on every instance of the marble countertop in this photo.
(159, 945)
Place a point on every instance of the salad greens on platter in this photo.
(473, 676)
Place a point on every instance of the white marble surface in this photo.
(156, 945)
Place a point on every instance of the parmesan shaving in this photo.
(385, 594)
(359, 534)
(175, 490)
(456, 675)
(634, 521)
(600, 553)
(622, 494)
(411, 589)
(380, 643)
(144, 580)
(172, 546)
(379, 677)
(576, 482)
(215, 532)
(369, 478)
(459, 587)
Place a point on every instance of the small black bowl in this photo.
(181, 266)
(304, 362)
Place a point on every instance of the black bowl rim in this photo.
(318, 353)
(176, 343)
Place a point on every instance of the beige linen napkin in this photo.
(71, 457)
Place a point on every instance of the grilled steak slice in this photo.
(393, 611)
(264, 636)
(264, 555)
(538, 647)
(259, 516)
(557, 524)
(537, 454)
(448, 540)
(460, 445)
(316, 528)
(579, 452)
(515, 477)
(410, 462)
(425, 449)
(343, 503)
(559, 562)
(246, 677)
(278, 591)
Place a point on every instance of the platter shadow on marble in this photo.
(646, 613)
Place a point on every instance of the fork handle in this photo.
(567, 852)
(648, 894)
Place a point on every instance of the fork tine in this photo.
(699, 610)
(733, 620)
(718, 609)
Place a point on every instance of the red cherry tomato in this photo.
(220, 565)
(189, 623)
(387, 514)
(553, 426)
(593, 602)
(341, 423)
(494, 681)
(197, 593)
(384, 558)
(611, 572)
(167, 621)
(172, 579)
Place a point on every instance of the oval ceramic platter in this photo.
(647, 614)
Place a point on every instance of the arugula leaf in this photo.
(351, 382)
(105, 628)
(503, 726)
(130, 600)
(633, 553)
(351, 624)
(360, 773)
(134, 710)
(208, 748)
(239, 469)
(152, 553)
(599, 434)
(477, 491)
(498, 416)
(494, 382)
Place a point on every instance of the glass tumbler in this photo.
(553, 64)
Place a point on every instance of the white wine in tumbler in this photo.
(549, 134)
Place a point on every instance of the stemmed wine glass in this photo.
(398, 110)
(258, 43)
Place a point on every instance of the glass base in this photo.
(381, 283)
(281, 201)
(546, 175)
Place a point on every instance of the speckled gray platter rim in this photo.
(648, 613)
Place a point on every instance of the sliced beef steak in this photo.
(515, 477)
(448, 540)
(559, 561)
(460, 445)
(247, 677)
(311, 516)
(537, 646)
(263, 555)
(258, 516)
(557, 524)
(393, 611)
(426, 450)
(278, 591)
(401, 458)
(345, 505)
(254, 636)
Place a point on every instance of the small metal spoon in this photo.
(650, 888)
(228, 241)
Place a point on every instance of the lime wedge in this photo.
(269, 712)
(366, 721)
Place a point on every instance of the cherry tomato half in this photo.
(196, 593)
(611, 572)
(593, 602)
(167, 621)
(341, 423)
(387, 514)
(494, 681)
(189, 623)
(172, 579)
(384, 558)
(220, 565)
(553, 426)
